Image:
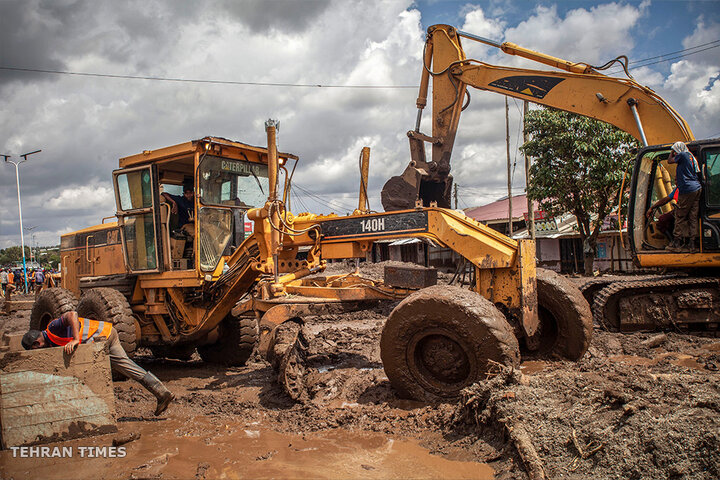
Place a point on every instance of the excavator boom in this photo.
(578, 88)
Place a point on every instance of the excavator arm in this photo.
(579, 88)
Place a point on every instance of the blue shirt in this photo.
(685, 176)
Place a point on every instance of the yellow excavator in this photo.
(689, 298)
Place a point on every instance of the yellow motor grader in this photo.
(248, 261)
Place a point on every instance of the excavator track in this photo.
(676, 303)
(591, 288)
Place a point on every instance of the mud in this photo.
(635, 411)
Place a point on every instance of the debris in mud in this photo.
(654, 341)
(123, 439)
(201, 471)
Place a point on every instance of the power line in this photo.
(194, 80)
(639, 63)
(679, 51)
(320, 200)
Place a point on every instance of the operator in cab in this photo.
(688, 204)
(69, 330)
(183, 206)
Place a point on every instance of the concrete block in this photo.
(17, 305)
(49, 396)
(410, 276)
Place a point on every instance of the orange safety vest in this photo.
(90, 330)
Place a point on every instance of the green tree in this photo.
(578, 165)
(13, 254)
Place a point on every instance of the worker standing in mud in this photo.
(69, 330)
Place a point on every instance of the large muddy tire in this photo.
(49, 305)
(565, 318)
(442, 339)
(237, 339)
(109, 305)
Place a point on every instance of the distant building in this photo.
(558, 244)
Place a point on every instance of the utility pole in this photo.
(455, 195)
(17, 182)
(530, 208)
(507, 143)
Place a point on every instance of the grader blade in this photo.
(287, 353)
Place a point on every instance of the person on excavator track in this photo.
(69, 330)
(688, 205)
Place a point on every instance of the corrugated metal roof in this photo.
(498, 210)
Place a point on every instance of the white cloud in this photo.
(83, 197)
(693, 86)
(592, 35)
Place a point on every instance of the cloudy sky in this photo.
(83, 124)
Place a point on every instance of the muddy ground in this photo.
(624, 411)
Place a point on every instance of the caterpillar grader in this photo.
(687, 297)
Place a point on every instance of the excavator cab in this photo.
(653, 179)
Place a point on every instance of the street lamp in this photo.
(30, 231)
(17, 182)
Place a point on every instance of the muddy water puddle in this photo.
(211, 448)
(530, 367)
(679, 359)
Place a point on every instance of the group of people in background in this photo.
(13, 280)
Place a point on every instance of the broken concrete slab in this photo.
(11, 306)
(11, 343)
(48, 396)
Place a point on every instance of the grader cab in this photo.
(148, 273)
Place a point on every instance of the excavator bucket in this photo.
(401, 192)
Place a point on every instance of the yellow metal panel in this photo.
(481, 245)
(342, 250)
(664, 259)
(528, 286)
(577, 93)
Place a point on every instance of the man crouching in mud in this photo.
(69, 331)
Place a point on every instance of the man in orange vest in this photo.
(69, 331)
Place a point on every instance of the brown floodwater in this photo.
(227, 450)
(531, 367)
(679, 359)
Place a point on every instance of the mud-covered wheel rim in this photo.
(440, 358)
(441, 339)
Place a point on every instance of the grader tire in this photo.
(565, 318)
(109, 305)
(49, 305)
(442, 339)
(238, 337)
